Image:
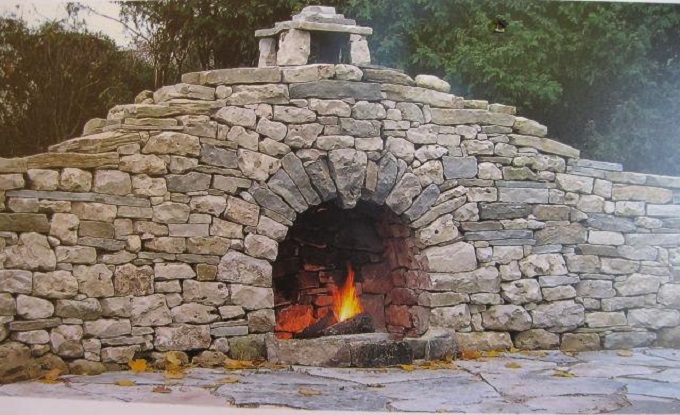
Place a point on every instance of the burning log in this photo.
(327, 326)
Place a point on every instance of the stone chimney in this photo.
(317, 35)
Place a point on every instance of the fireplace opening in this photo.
(324, 250)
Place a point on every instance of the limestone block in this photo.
(173, 143)
(558, 316)
(432, 82)
(87, 309)
(32, 308)
(43, 179)
(150, 310)
(132, 280)
(653, 318)
(522, 291)
(506, 318)
(294, 48)
(484, 341)
(208, 293)
(457, 257)
(456, 317)
(580, 342)
(64, 226)
(56, 284)
(482, 280)
(252, 298)
(359, 52)
(536, 339)
(66, 341)
(32, 252)
(107, 328)
(170, 212)
(194, 313)
(173, 271)
(142, 164)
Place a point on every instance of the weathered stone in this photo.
(208, 293)
(457, 317)
(627, 340)
(642, 193)
(182, 337)
(331, 89)
(87, 309)
(258, 94)
(242, 212)
(173, 271)
(638, 284)
(559, 316)
(536, 339)
(543, 264)
(190, 182)
(106, 328)
(173, 143)
(170, 212)
(618, 266)
(573, 183)
(605, 319)
(523, 195)
(457, 257)
(252, 298)
(66, 341)
(401, 197)
(595, 289)
(16, 281)
(221, 157)
(348, 168)
(481, 280)
(529, 127)
(233, 116)
(194, 314)
(504, 210)
(238, 268)
(610, 223)
(76, 254)
(484, 341)
(116, 306)
(75, 180)
(573, 233)
(257, 166)
(506, 318)
(269, 200)
(150, 310)
(32, 308)
(459, 167)
(522, 291)
(33, 337)
(359, 128)
(281, 184)
(441, 230)
(580, 342)
(56, 284)
(669, 295)
(32, 252)
(131, 280)
(653, 318)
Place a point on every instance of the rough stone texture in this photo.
(348, 169)
(457, 257)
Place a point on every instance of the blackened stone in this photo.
(504, 211)
(610, 223)
(191, 182)
(387, 177)
(361, 323)
(381, 354)
(320, 176)
(327, 89)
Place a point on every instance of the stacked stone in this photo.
(156, 230)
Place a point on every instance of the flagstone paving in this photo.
(644, 380)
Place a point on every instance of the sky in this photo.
(36, 12)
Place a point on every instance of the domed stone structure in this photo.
(167, 226)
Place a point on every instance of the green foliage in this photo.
(53, 80)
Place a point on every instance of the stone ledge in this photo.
(81, 197)
(96, 143)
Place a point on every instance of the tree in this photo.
(53, 80)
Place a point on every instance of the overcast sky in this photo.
(36, 12)
(39, 11)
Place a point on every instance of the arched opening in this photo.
(313, 260)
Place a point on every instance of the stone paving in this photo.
(644, 380)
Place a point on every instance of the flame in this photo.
(346, 303)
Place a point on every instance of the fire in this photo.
(346, 303)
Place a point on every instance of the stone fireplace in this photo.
(217, 217)
(315, 257)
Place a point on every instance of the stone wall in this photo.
(156, 230)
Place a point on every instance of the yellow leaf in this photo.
(126, 382)
(625, 353)
(492, 353)
(52, 376)
(308, 392)
(230, 379)
(139, 365)
(173, 358)
(513, 365)
(562, 374)
(470, 354)
(161, 389)
(174, 374)
(239, 364)
(408, 368)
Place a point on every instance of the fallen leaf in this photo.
(308, 392)
(126, 382)
(408, 368)
(161, 389)
(437, 365)
(174, 374)
(625, 353)
(52, 377)
(138, 365)
(230, 379)
(513, 365)
(173, 358)
(470, 354)
(232, 364)
(491, 353)
(563, 374)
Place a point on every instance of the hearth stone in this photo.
(357, 350)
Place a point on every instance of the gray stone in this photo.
(16, 281)
(653, 318)
(56, 284)
(559, 316)
(506, 318)
(238, 268)
(459, 167)
(33, 308)
(66, 341)
(523, 195)
(252, 298)
(456, 317)
(627, 340)
(182, 337)
(293, 166)
(320, 178)
(194, 313)
(522, 291)
(237, 116)
(281, 184)
(208, 293)
(605, 319)
(457, 257)
(348, 168)
(190, 182)
(257, 166)
(329, 89)
(172, 271)
(543, 264)
(504, 210)
(529, 127)
(573, 233)
(150, 310)
(482, 280)
(260, 246)
(87, 309)
(105, 328)
(610, 223)
(595, 289)
(359, 128)
(401, 197)
(441, 230)
(32, 252)
(401, 148)
(258, 94)
(669, 295)
(275, 130)
(270, 200)
(536, 339)
(217, 156)
(387, 175)
(421, 95)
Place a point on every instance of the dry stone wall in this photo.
(156, 230)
